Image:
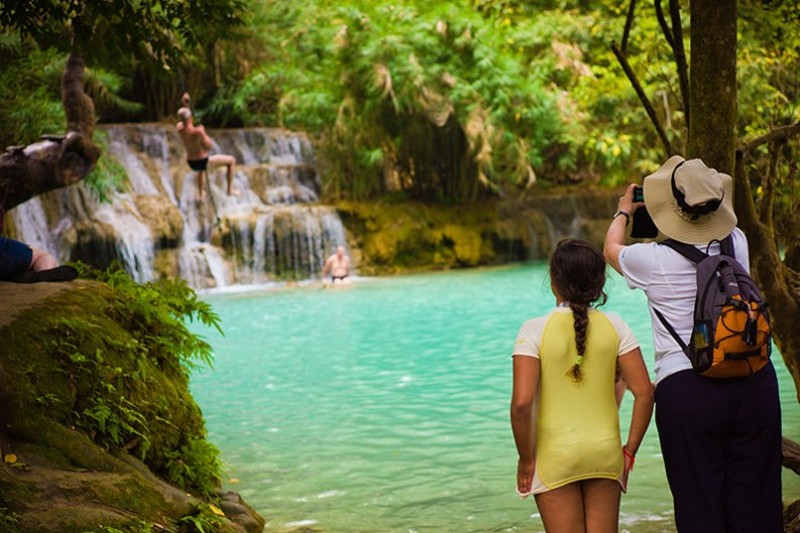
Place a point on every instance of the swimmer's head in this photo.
(184, 114)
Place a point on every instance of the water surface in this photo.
(383, 406)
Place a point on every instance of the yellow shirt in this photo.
(577, 426)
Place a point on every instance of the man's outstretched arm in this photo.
(615, 236)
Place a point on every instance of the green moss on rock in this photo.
(97, 416)
(389, 238)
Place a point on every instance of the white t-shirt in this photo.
(670, 282)
(530, 334)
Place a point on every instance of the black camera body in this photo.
(643, 226)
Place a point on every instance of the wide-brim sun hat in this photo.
(690, 202)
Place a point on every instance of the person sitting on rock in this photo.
(21, 263)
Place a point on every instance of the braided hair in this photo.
(578, 272)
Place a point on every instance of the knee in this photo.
(42, 260)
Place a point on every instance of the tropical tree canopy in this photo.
(441, 101)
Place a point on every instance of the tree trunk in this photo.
(57, 160)
(778, 281)
(712, 131)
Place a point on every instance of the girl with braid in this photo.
(563, 407)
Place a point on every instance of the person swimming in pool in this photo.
(197, 144)
(338, 266)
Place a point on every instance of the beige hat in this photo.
(690, 202)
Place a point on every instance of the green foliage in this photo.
(440, 101)
(139, 527)
(447, 100)
(104, 32)
(196, 466)
(30, 101)
(116, 365)
(108, 175)
(202, 521)
(156, 312)
(9, 523)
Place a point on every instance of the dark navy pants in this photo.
(721, 442)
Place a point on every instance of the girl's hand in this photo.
(628, 459)
(525, 470)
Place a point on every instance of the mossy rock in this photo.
(97, 415)
(412, 236)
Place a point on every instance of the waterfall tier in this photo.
(274, 229)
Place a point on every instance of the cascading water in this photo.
(274, 229)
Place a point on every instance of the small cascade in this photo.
(273, 229)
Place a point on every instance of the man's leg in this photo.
(42, 260)
(753, 485)
(220, 160)
(201, 185)
(692, 420)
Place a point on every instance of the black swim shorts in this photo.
(15, 257)
(198, 164)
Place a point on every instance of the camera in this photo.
(643, 226)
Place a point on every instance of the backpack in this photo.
(731, 336)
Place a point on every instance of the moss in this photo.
(396, 237)
(99, 367)
(411, 236)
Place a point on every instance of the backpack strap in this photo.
(671, 330)
(726, 246)
(686, 250)
(693, 254)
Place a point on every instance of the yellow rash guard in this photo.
(577, 427)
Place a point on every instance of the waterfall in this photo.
(274, 229)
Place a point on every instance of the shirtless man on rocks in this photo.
(197, 144)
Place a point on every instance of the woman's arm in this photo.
(615, 236)
(634, 372)
(526, 381)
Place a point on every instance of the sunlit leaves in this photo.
(104, 30)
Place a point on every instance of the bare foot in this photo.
(233, 192)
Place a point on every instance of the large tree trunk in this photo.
(57, 160)
(712, 83)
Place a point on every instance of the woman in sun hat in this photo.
(720, 438)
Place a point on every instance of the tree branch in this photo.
(56, 161)
(780, 133)
(679, 51)
(791, 455)
(768, 197)
(628, 25)
(665, 29)
(662, 134)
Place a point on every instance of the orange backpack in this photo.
(731, 336)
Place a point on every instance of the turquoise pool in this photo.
(383, 406)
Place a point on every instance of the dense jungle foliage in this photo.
(439, 101)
